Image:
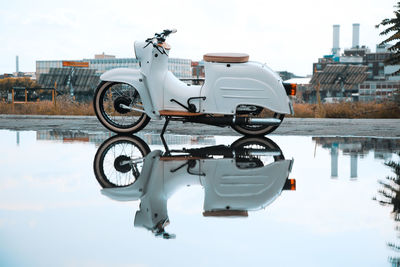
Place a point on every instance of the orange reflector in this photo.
(290, 88)
(292, 184)
(293, 89)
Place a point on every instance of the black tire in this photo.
(107, 97)
(258, 130)
(114, 150)
(244, 144)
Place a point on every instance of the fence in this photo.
(23, 95)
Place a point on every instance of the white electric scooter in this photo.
(248, 175)
(246, 95)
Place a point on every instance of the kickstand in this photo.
(165, 125)
(167, 152)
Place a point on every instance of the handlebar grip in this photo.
(168, 32)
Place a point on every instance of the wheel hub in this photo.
(122, 100)
(120, 166)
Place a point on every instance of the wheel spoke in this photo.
(113, 98)
(116, 177)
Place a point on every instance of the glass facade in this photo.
(378, 90)
(103, 65)
(43, 66)
(181, 68)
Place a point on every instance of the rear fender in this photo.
(229, 85)
(134, 78)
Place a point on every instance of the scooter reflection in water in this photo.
(247, 175)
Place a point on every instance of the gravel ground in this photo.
(290, 126)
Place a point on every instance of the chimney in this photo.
(356, 35)
(16, 64)
(334, 160)
(335, 46)
(353, 166)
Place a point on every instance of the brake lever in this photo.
(148, 41)
(158, 49)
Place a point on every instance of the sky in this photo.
(287, 34)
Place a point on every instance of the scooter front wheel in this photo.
(119, 161)
(257, 130)
(116, 106)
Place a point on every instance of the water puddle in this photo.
(78, 198)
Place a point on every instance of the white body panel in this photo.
(176, 89)
(136, 190)
(243, 189)
(248, 83)
(224, 183)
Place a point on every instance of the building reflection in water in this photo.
(70, 136)
(247, 175)
(98, 137)
(356, 147)
(383, 148)
(18, 138)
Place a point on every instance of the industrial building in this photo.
(181, 68)
(80, 77)
(373, 82)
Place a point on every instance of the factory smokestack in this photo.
(16, 64)
(335, 46)
(356, 35)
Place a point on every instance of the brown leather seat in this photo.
(225, 213)
(226, 57)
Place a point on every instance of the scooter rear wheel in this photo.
(257, 130)
(110, 102)
(244, 158)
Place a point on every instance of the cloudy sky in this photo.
(287, 34)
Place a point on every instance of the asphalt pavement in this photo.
(290, 126)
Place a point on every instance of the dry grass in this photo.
(348, 110)
(64, 106)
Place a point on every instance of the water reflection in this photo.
(247, 175)
(54, 202)
(70, 136)
(356, 147)
(389, 195)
